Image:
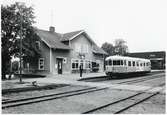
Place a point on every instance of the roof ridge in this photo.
(52, 39)
(49, 31)
(73, 31)
(69, 35)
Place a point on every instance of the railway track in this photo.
(105, 78)
(129, 102)
(25, 101)
(141, 79)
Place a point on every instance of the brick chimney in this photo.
(52, 29)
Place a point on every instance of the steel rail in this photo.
(36, 97)
(121, 100)
(27, 101)
(140, 79)
(102, 77)
(24, 101)
(140, 101)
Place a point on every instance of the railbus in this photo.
(123, 65)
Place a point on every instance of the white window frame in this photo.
(74, 61)
(84, 62)
(85, 46)
(77, 47)
(39, 64)
(81, 48)
(39, 44)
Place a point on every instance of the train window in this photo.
(133, 63)
(116, 62)
(137, 63)
(129, 63)
(121, 62)
(144, 64)
(147, 63)
(140, 64)
(110, 62)
(124, 62)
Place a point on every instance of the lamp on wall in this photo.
(82, 55)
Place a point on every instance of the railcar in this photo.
(122, 65)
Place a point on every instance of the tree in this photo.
(15, 66)
(16, 21)
(108, 47)
(120, 47)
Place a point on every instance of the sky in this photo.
(141, 23)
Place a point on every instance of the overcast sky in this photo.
(142, 23)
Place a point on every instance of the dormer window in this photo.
(81, 48)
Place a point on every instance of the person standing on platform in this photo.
(81, 70)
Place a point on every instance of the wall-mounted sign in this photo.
(64, 60)
(152, 55)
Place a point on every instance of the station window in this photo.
(75, 64)
(41, 64)
(129, 63)
(37, 44)
(124, 62)
(87, 64)
(81, 48)
(133, 63)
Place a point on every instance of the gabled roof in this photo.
(98, 50)
(70, 35)
(52, 39)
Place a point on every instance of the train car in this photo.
(121, 65)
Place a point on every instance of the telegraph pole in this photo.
(21, 44)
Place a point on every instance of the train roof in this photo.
(116, 57)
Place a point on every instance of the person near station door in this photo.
(81, 70)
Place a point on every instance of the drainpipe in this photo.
(50, 60)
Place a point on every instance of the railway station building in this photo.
(157, 58)
(64, 53)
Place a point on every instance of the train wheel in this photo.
(114, 77)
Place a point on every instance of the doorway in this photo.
(59, 65)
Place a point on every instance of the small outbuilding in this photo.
(157, 58)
